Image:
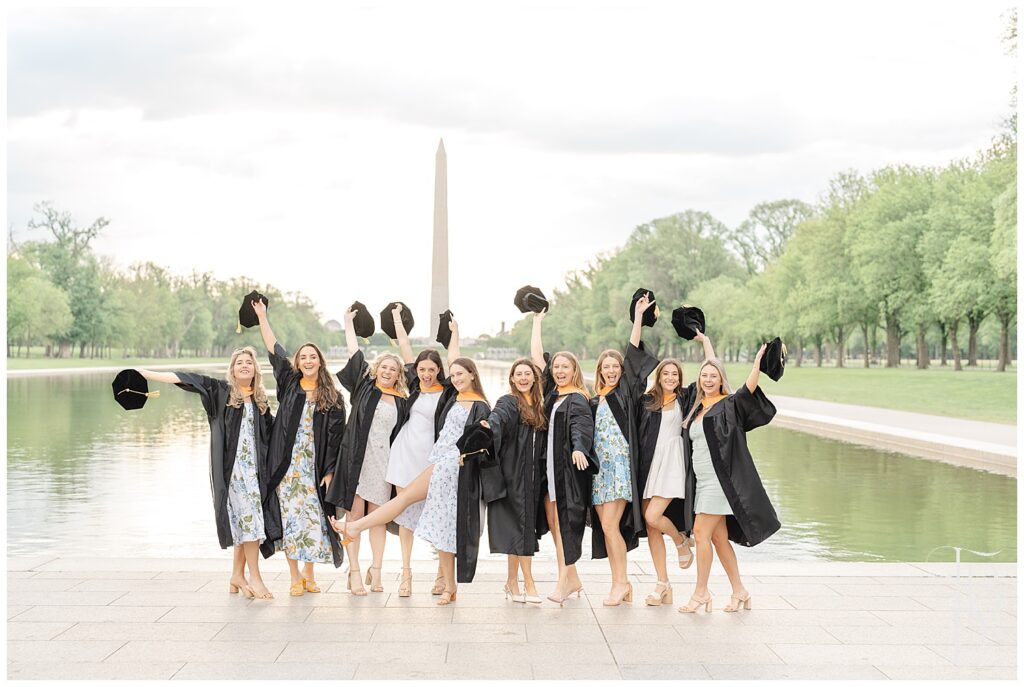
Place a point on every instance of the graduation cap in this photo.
(687, 321)
(530, 299)
(444, 332)
(651, 314)
(363, 322)
(246, 314)
(476, 440)
(773, 362)
(131, 389)
(387, 319)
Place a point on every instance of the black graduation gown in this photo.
(479, 482)
(364, 397)
(328, 430)
(225, 427)
(650, 426)
(726, 425)
(573, 428)
(624, 401)
(512, 521)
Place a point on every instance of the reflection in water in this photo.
(85, 477)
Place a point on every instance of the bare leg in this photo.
(358, 511)
(251, 550)
(727, 557)
(378, 534)
(405, 537)
(238, 569)
(512, 578)
(610, 514)
(654, 514)
(526, 564)
(307, 571)
(293, 571)
(551, 511)
(386, 512)
(656, 543)
(703, 527)
(450, 587)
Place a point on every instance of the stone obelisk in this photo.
(439, 276)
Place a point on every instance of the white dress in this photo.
(551, 450)
(410, 454)
(667, 477)
(373, 487)
(437, 524)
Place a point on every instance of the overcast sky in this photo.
(297, 146)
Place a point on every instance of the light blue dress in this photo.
(710, 498)
(613, 480)
(437, 524)
(245, 510)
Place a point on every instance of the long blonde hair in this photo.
(599, 381)
(532, 412)
(327, 396)
(657, 391)
(577, 375)
(723, 387)
(400, 385)
(259, 392)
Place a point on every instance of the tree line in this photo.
(64, 297)
(902, 259)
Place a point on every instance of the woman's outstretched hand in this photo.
(579, 460)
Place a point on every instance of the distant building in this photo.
(332, 326)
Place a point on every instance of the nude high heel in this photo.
(356, 591)
(405, 585)
(662, 594)
(736, 603)
(694, 603)
(626, 596)
(374, 580)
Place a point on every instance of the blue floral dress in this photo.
(245, 509)
(613, 480)
(305, 528)
(438, 522)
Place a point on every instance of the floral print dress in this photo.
(245, 509)
(612, 481)
(305, 528)
(437, 524)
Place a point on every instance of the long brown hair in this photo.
(468, 365)
(577, 375)
(723, 387)
(327, 395)
(259, 392)
(530, 411)
(657, 391)
(599, 381)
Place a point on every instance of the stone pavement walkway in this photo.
(985, 445)
(165, 618)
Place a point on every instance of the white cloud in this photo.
(262, 142)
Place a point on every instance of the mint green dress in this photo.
(710, 498)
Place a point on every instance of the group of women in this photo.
(630, 460)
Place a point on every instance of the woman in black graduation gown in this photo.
(240, 427)
(725, 499)
(518, 424)
(454, 487)
(377, 394)
(302, 457)
(569, 464)
(616, 492)
(662, 478)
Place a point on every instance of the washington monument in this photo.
(439, 276)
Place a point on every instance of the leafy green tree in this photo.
(762, 237)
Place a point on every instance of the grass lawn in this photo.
(971, 394)
(61, 363)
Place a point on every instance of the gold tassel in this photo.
(471, 453)
(150, 394)
(238, 328)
